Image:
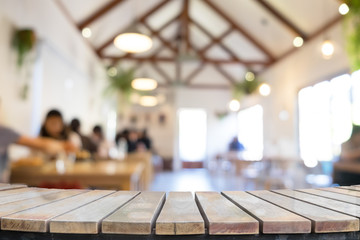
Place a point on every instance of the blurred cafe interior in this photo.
(172, 95)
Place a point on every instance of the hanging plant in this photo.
(245, 88)
(120, 84)
(23, 42)
(352, 30)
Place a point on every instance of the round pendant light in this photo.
(148, 101)
(144, 84)
(327, 49)
(133, 42)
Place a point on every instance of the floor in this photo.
(225, 178)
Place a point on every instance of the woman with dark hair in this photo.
(53, 126)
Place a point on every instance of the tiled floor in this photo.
(227, 180)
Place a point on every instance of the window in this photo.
(192, 134)
(251, 132)
(326, 113)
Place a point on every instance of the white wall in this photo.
(66, 73)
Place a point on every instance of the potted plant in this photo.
(23, 42)
(120, 84)
(245, 87)
(352, 30)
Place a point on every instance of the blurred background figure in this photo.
(85, 143)
(350, 150)
(9, 136)
(54, 127)
(236, 145)
(132, 141)
(144, 142)
(102, 145)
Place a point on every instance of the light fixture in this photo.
(298, 41)
(265, 89)
(144, 84)
(86, 32)
(112, 71)
(249, 76)
(148, 101)
(133, 42)
(327, 49)
(234, 105)
(343, 9)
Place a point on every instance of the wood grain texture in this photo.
(222, 217)
(37, 219)
(333, 195)
(16, 191)
(352, 188)
(342, 207)
(87, 219)
(273, 219)
(11, 186)
(136, 217)
(180, 216)
(13, 207)
(323, 220)
(30, 193)
(344, 190)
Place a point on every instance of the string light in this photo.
(327, 49)
(86, 32)
(234, 105)
(298, 41)
(265, 89)
(343, 9)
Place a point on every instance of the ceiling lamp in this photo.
(343, 9)
(234, 105)
(144, 84)
(148, 101)
(298, 42)
(327, 49)
(265, 89)
(133, 42)
(86, 32)
(249, 76)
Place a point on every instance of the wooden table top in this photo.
(256, 213)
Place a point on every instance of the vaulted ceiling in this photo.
(223, 38)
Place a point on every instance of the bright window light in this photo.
(192, 134)
(325, 119)
(251, 132)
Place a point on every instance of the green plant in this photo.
(23, 42)
(352, 30)
(120, 85)
(244, 88)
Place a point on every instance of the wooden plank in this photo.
(348, 191)
(273, 219)
(222, 217)
(13, 207)
(31, 193)
(333, 195)
(12, 186)
(323, 220)
(180, 216)
(136, 217)
(37, 219)
(335, 205)
(351, 188)
(86, 219)
(15, 191)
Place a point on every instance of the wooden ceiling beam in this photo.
(166, 77)
(216, 40)
(194, 73)
(225, 74)
(317, 33)
(170, 59)
(158, 35)
(240, 29)
(99, 13)
(185, 19)
(142, 18)
(290, 25)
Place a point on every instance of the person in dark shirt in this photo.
(145, 140)
(235, 145)
(86, 142)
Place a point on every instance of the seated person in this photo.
(235, 145)
(350, 150)
(48, 145)
(54, 127)
(84, 142)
